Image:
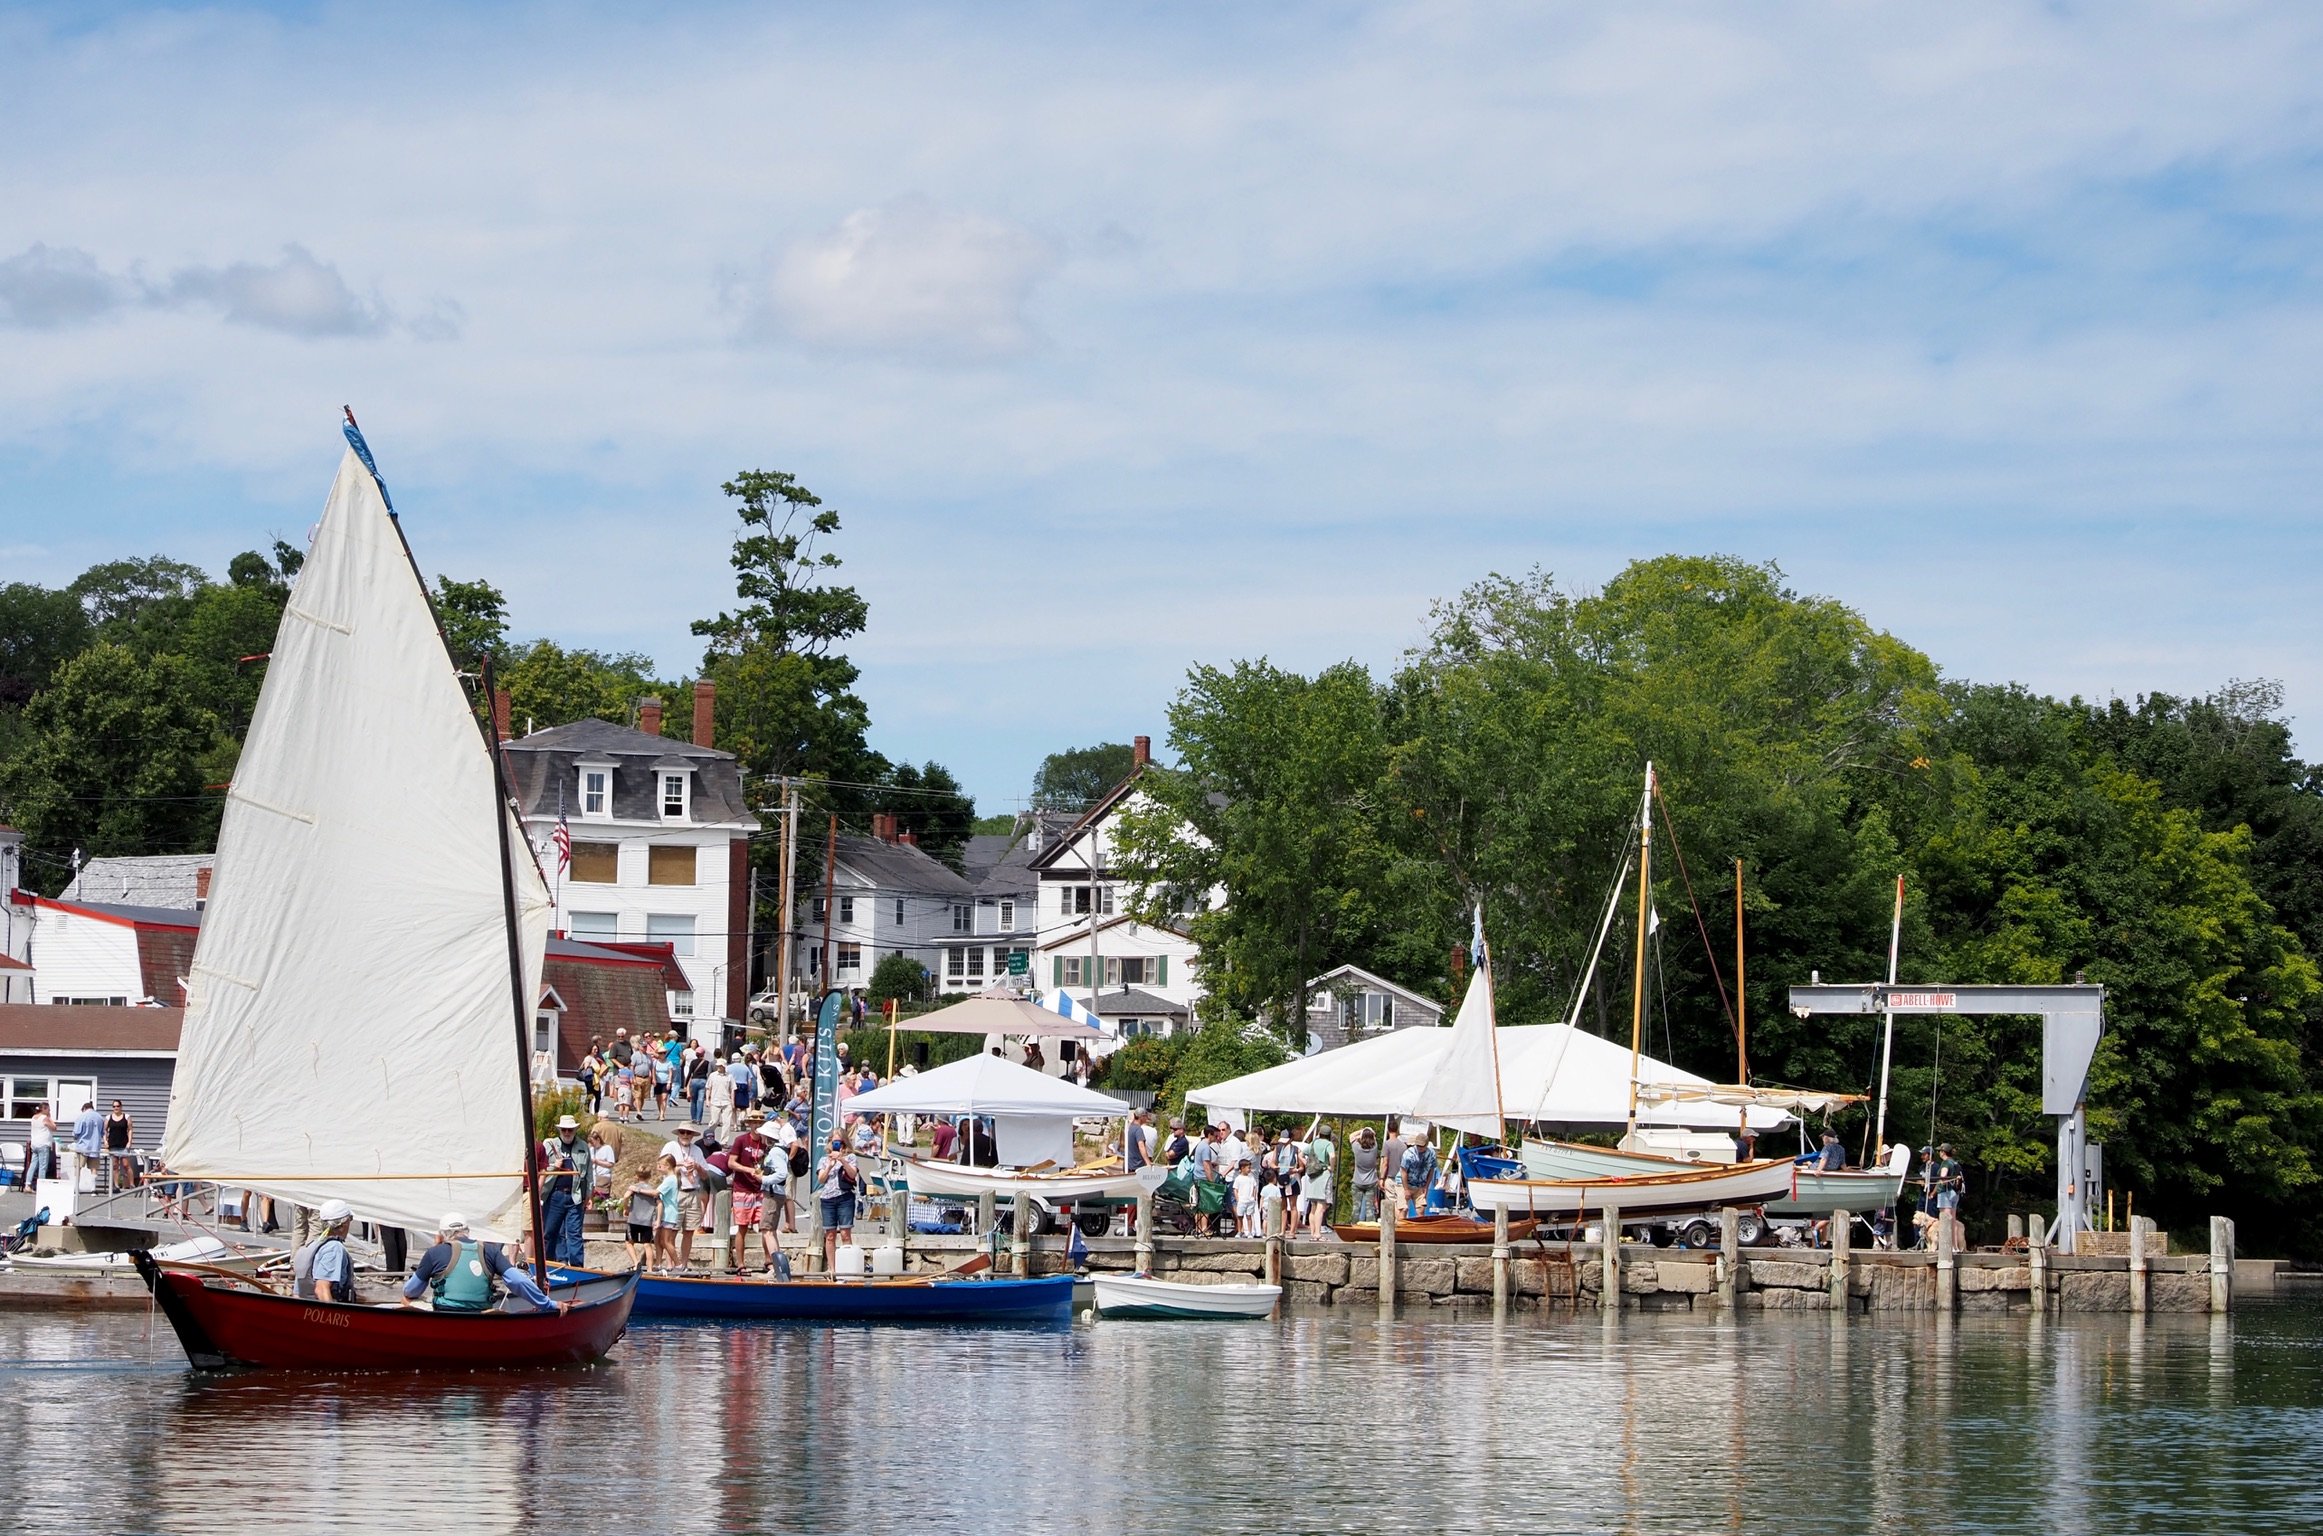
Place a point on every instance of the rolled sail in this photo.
(348, 1030)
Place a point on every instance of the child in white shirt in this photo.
(1246, 1200)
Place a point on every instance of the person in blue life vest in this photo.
(465, 1275)
(323, 1270)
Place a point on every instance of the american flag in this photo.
(564, 843)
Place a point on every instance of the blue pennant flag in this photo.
(363, 452)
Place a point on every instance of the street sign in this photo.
(1019, 963)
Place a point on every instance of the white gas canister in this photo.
(887, 1260)
(849, 1263)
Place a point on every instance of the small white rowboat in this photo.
(1143, 1296)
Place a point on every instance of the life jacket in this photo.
(467, 1282)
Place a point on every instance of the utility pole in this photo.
(1096, 976)
(830, 893)
(783, 932)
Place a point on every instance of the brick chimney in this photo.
(883, 826)
(705, 713)
(499, 714)
(907, 837)
(1140, 750)
(649, 715)
(201, 885)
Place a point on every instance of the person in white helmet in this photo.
(323, 1270)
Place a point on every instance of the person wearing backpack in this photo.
(1315, 1190)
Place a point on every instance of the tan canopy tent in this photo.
(1002, 1016)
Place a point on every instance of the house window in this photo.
(850, 957)
(1128, 971)
(1071, 975)
(64, 1097)
(594, 925)
(670, 866)
(846, 909)
(1378, 1011)
(597, 863)
(955, 962)
(681, 1005)
(819, 910)
(92, 1002)
(976, 963)
(596, 791)
(963, 918)
(899, 911)
(673, 929)
(544, 1032)
(673, 796)
(1077, 900)
(1008, 917)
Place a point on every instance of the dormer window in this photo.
(673, 795)
(597, 790)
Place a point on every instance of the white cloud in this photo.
(905, 276)
(297, 295)
(49, 286)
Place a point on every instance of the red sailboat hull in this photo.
(224, 1323)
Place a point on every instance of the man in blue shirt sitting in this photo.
(323, 1270)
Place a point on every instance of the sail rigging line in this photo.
(1709, 951)
(1588, 974)
(1645, 861)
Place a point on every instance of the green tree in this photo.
(474, 615)
(928, 802)
(113, 761)
(1076, 779)
(139, 602)
(41, 628)
(897, 977)
(224, 637)
(1222, 1047)
(1281, 786)
(550, 685)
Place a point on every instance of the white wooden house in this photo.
(1351, 1003)
(660, 839)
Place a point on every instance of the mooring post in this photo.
(1609, 1268)
(1274, 1225)
(2221, 1262)
(1842, 1239)
(987, 1217)
(2016, 1227)
(2139, 1226)
(1145, 1232)
(1500, 1261)
(1020, 1237)
(722, 1229)
(1729, 1255)
(2037, 1254)
(1387, 1211)
(1947, 1282)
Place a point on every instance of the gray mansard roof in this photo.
(546, 768)
(899, 868)
(1000, 865)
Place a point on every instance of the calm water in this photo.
(1326, 1421)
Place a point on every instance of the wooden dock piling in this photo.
(1842, 1239)
(2140, 1234)
(2037, 1258)
(1274, 1242)
(1387, 1214)
(1609, 1264)
(1947, 1267)
(1500, 1261)
(1145, 1232)
(2221, 1262)
(1020, 1237)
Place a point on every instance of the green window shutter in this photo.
(1059, 963)
(1161, 970)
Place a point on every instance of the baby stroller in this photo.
(1179, 1200)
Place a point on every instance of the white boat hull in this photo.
(1815, 1192)
(1141, 1296)
(1683, 1189)
(926, 1176)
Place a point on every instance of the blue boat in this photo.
(1043, 1302)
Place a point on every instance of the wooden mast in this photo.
(1741, 1009)
(1645, 859)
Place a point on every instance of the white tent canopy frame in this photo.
(984, 1084)
(1554, 1073)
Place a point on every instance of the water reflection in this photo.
(1544, 1422)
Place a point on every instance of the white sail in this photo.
(1463, 1092)
(349, 1030)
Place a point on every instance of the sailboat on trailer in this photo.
(361, 993)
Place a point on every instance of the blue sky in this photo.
(1129, 337)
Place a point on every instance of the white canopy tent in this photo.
(1032, 1113)
(1548, 1072)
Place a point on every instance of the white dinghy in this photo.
(1143, 1296)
